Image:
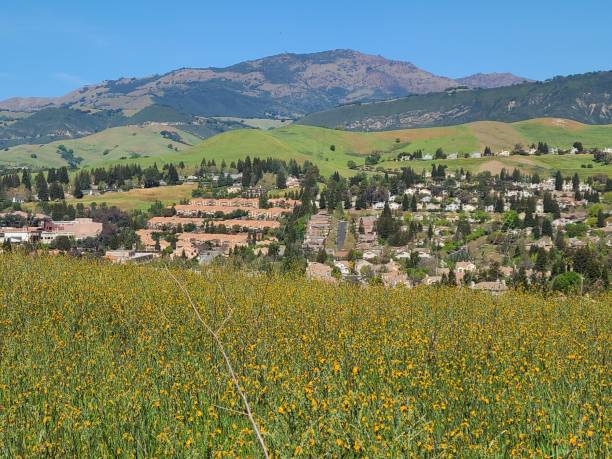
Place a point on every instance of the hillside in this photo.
(101, 360)
(53, 124)
(285, 85)
(146, 145)
(109, 146)
(586, 98)
(314, 144)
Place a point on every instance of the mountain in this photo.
(586, 98)
(491, 80)
(286, 85)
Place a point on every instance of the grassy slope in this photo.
(313, 143)
(307, 142)
(121, 141)
(141, 198)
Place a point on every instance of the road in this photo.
(342, 226)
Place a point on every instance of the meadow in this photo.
(100, 360)
(140, 198)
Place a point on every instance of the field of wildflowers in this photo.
(99, 360)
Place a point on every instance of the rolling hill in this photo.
(586, 98)
(132, 143)
(146, 145)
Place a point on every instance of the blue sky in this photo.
(49, 48)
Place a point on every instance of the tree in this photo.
(77, 193)
(332, 148)
(62, 243)
(172, 176)
(405, 202)
(413, 203)
(322, 202)
(576, 182)
(151, 177)
(569, 282)
(541, 260)
(452, 278)
(547, 229)
(42, 190)
(601, 219)
(56, 192)
(558, 181)
(321, 255)
(361, 227)
(281, 180)
(499, 205)
(62, 175)
(487, 151)
(386, 225)
(578, 146)
(26, 179)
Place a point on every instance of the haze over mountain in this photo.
(285, 85)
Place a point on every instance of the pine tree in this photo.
(385, 225)
(42, 189)
(541, 260)
(547, 229)
(26, 179)
(601, 219)
(172, 176)
(576, 182)
(281, 180)
(413, 203)
(405, 202)
(558, 181)
(56, 192)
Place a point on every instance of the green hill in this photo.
(134, 143)
(584, 98)
(330, 149)
(315, 144)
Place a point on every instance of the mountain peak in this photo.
(492, 80)
(283, 85)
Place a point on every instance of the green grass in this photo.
(313, 143)
(125, 141)
(140, 198)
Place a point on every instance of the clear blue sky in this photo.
(48, 48)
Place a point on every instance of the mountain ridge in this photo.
(282, 85)
(586, 98)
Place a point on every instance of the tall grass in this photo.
(100, 360)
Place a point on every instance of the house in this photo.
(452, 156)
(496, 287)
(465, 267)
(452, 207)
(20, 235)
(476, 154)
(320, 271)
(431, 280)
(125, 256)
(79, 229)
(504, 153)
(395, 279)
(427, 157)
